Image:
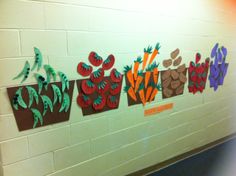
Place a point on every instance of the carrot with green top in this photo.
(137, 62)
(155, 72)
(138, 81)
(155, 52)
(141, 94)
(154, 92)
(149, 90)
(130, 91)
(148, 75)
(129, 75)
(147, 52)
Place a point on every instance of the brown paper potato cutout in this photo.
(181, 68)
(166, 74)
(174, 74)
(177, 61)
(166, 83)
(175, 84)
(174, 54)
(167, 63)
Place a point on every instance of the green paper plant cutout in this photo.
(38, 59)
(50, 72)
(66, 103)
(41, 82)
(32, 95)
(37, 117)
(56, 94)
(24, 72)
(46, 103)
(64, 80)
(18, 100)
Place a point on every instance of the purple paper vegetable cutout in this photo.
(219, 55)
(218, 67)
(214, 50)
(224, 51)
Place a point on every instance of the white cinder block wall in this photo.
(115, 142)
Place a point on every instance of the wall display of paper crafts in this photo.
(198, 73)
(142, 78)
(44, 103)
(98, 93)
(173, 80)
(218, 66)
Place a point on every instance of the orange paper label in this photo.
(158, 109)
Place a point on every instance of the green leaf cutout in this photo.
(56, 94)
(24, 72)
(42, 82)
(18, 100)
(46, 103)
(32, 95)
(64, 80)
(66, 103)
(38, 59)
(37, 117)
(50, 72)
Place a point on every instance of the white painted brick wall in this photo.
(115, 142)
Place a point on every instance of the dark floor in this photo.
(208, 163)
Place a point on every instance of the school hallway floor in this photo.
(216, 161)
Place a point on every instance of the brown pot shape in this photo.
(90, 109)
(24, 117)
(172, 82)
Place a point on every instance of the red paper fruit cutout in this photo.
(97, 76)
(197, 74)
(84, 69)
(100, 102)
(112, 101)
(115, 88)
(88, 87)
(83, 100)
(115, 76)
(109, 62)
(95, 59)
(103, 87)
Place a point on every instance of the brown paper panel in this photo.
(169, 87)
(89, 110)
(131, 102)
(24, 117)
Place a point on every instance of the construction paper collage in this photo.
(49, 101)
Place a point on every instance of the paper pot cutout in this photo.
(218, 66)
(99, 100)
(173, 80)
(27, 118)
(197, 73)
